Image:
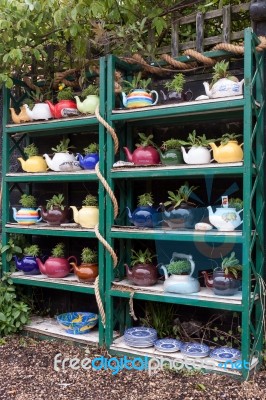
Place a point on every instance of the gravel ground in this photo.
(27, 373)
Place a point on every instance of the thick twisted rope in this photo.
(108, 127)
(99, 301)
(108, 189)
(199, 57)
(177, 64)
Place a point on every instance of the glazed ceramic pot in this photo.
(142, 274)
(27, 216)
(225, 285)
(143, 155)
(56, 216)
(175, 97)
(171, 157)
(180, 217)
(87, 216)
(143, 216)
(64, 108)
(28, 265)
(140, 98)
(88, 161)
(85, 272)
(229, 152)
(55, 267)
(225, 218)
(33, 164)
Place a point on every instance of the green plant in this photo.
(145, 140)
(59, 250)
(230, 265)
(182, 195)
(28, 201)
(63, 146)
(89, 256)
(55, 201)
(159, 316)
(141, 257)
(14, 314)
(226, 137)
(180, 267)
(31, 150)
(90, 201)
(65, 93)
(171, 144)
(145, 199)
(90, 91)
(176, 84)
(235, 203)
(92, 148)
(195, 141)
(33, 250)
(136, 83)
(220, 70)
(13, 247)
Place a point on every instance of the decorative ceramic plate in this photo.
(77, 323)
(225, 354)
(195, 350)
(168, 345)
(142, 332)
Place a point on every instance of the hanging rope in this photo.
(109, 128)
(232, 48)
(199, 57)
(177, 64)
(99, 300)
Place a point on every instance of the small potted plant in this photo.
(175, 89)
(28, 214)
(180, 269)
(55, 212)
(144, 215)
(138, 93)
(170, 153)
(91, 156)
(28, 264)
(235, 202)
(88, 215)
(56, 266)
(198, 152)
(66, 106)
(92, 100)
(33, 162)
(229, 149)
(226, 278)
(145, 153)
(40, 110)
(223, 83)
(143, 272)
(87, 271)
(62, 160)
(180, 214)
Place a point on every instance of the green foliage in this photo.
(14, 314)
(171, 144)
(65, 94)
(31, 150)
(28, 201)
(136, 83)
(180, 267)
(231, 265)
(145, 199)
(90, 201)
(14, 247)
(89, 256)
(59, 250)
(33, 250)
(177, 83)
(182, 195)
(56, 201)
(63, 146)
(195, 141)
(220, 70)
(159, 316)
(90, 90)
(235, 203)
(145, 140)
(92, 148)
(141, 257)
(226, 137)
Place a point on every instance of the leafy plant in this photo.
(31, 150)
(145, 199)
(90, 91)
(182, 195)
(59, 250)
(159, 316)
(195, 141)
(171, 144)
(226, 137)
(145, 140)
(28, 201)
(231, 265)
(65, 93)
(90, 200)
(55, 201)
(136, 83)
(141, 257)
(89, 256)
(92, 148)
(176, 84)
(180, 267)
(235, 203)
(220, 70)
(13, 247)
(14, 314)
(63, 146)
(33, 250)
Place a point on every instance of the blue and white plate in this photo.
(168, 345)
(225, 354)
(141, 333)
(195, 350)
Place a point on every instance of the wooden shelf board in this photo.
(49, 174)
(44, 226)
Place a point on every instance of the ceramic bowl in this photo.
(77, 323)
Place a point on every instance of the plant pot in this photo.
(88, 161)
(33, 164)
(173, 97)
(143, 217)
(28, 265)
(27, 216)
(225, 285)
(87, 216)
(140, 98)
(86, 272)
(142, 274)
(181, 217)
(55, 216)
(171, 157)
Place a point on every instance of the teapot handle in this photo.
(188, 95)
(74, 258)
(156, 97)
(40, 218)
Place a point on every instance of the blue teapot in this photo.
(28, 265)
(143, 216)
(88, 161)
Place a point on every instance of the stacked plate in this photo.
(140, 337)
(195, 350)
(168, 345)
(223, 354)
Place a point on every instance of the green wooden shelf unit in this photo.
(248, 110)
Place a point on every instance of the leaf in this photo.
(2, 317)
(200, 386)
(159, 24)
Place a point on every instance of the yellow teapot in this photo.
(227, 153)
(33, 164)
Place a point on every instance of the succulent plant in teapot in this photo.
(28, 214)
(144, 216)
(90, 157)
(223, 84)
(226, 279)
(62, 159)
(34, 162)
(175, 91)
(55, 212)
(198, 152)
(226, 218)
(145, 153)
(178, 275)
(28, 264)
(87, 271)
(88, 215)
(229, 149)
(66, 105)
(142, 272)
(170, 152)
(138, 94)
(91, 99)
(180, 213)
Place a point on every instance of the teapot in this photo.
(27, 264)
(171, 157)
(225, 218)
(143, 216)
(223, 88)
(21, 117)
(142, 274)
(33, 164)
(147, 155)
(196, 155)
(89, 105)
(88, 161)
(229, 152)
(139, 98)
(87, 216)
(55, 267)
(60, 159)
(64, 108)
(180, 217)
(86, 272)
(175, 97)
(222, 284)
(39, 111)
(26, 215)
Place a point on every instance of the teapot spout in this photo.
(124, 99)
(41, 265)
(207, 280)
(129, 214)
(15, 214)
(207, 89)
(185, 155)
(48, 161)
(210, 211)
(51, 106)
(18, 262)
(75, 214)
(128, 271)
(129, 155)
(74, 265)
